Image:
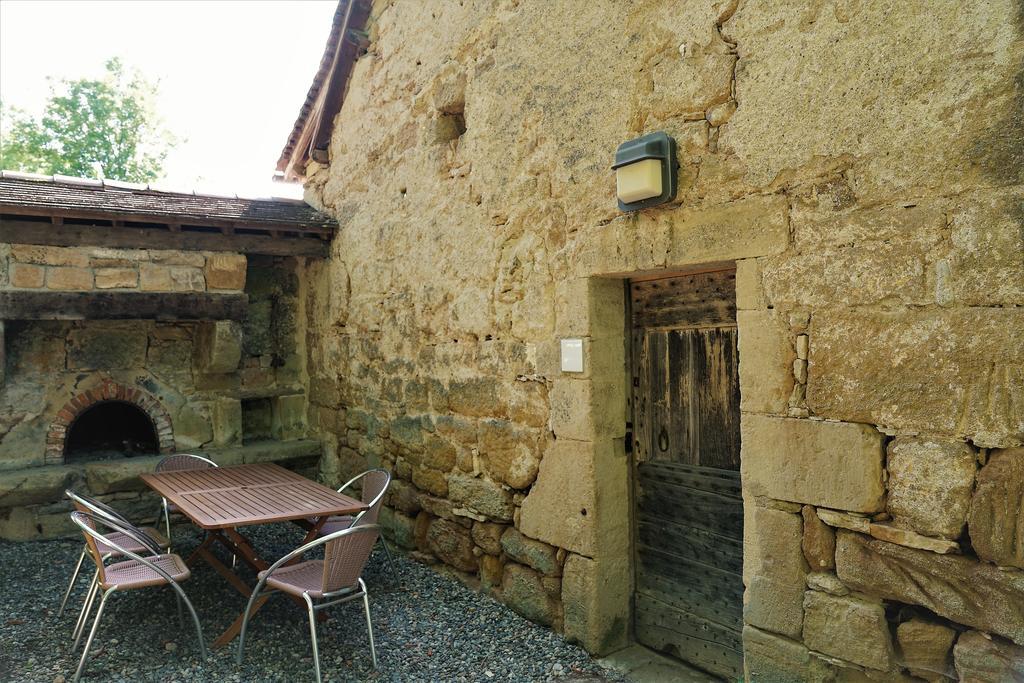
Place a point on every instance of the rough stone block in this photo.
(399, 528)
(985, 262)
(117, 278)
(832, 464)
(540, 556)
(996, 520)
(154, 278)
(587, 410)
(819, 541)
(227, 422)
(26, 276)
(769, 658)
(849, 628)
(225, 271)
(826, 582)
(69, 279)
(910, 539)
(510, 454)
(959, 588)
(49, 256)
(492, 570)
(887, 377)
(561, 507)
(476, 398)
(845, 520)
(589, 307)
(749, 290)
(766, 361)
(595, 603)
(930, 484)
(774, 605)
(118, 475)
(193, 426)
(452, 544)
(745, 228)
(481, 495)
(289, 417)
(107, 346)
(184, 279)
(488, 536)
(432, 481)
(218, 347)
(523, 591)
(980, 658)
(926, 648)
(856, 258)
(35, 485)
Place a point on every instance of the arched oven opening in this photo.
(111, 429)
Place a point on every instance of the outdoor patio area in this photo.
(429, 627)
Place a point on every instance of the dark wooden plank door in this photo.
(688, 510)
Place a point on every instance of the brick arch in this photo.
(107, 391)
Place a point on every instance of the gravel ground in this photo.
(428, 627)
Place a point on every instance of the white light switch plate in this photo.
(572, 355)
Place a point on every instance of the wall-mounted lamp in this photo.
(645, 171)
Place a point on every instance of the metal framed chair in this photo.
(84, 503)
(158, 569)
(375, 485)
(177, 463)
(331, 581)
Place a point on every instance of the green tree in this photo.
(91, 129)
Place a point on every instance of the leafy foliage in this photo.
(91, 129)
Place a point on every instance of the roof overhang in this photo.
(63, 211)
(311, 134)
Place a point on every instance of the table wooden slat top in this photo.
(241, 495)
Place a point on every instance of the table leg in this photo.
(236, 626)
(198, 552)
(240, 545)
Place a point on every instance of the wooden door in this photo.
(688, 510)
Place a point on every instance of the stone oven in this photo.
(138, 323)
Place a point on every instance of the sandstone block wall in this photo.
(860, 164)
(28, 266)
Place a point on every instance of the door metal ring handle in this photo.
(663, 440)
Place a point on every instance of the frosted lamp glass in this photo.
(641, 180)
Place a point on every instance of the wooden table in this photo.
(221, 499)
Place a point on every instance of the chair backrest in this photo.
(84, 503)
(346, 556)
(375, 485)
(184, 461)
(91, 525)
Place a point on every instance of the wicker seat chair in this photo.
(177, 463)
(322, 583)
(141, 570)
(375, 485)
(84, 503)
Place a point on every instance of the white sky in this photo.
(232, 74)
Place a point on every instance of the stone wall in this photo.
(28, 266)
(860, 163)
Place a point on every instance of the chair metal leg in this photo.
(71, 584)
(182, 598)
(83, 616)
(391, 560)
(369, 624)
(167, 523)
(92, 633)
(245, 619)
(312, 635)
